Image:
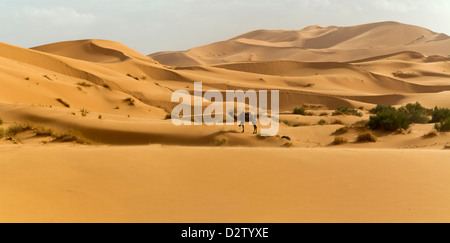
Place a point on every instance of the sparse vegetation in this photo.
(2, 133)
(300, 111)
(309, 113)
(338, 122)
(440, 114)
(69, 136)
(389, 120)
(367, 137)
(443, 126)
(84, 84)
(27, 78)
(1, 121)
(346, 111)
(312, 106)
(131, 76)
(63, 102)
(297, 124)
(340, 131)
(431, 134)
(340, 140)
(417, 113)
(322, 122)
(382, 108)
(324, 114)
(219, 142)
(84, 112)
(288, 145)
(130, 101)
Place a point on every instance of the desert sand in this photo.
(139, 167)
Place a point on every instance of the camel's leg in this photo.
(243, 128)
(255, 129)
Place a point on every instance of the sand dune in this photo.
(315, 43)
(179, 184)
(142, 168)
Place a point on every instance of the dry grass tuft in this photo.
(367, 137)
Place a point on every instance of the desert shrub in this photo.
(300, 111)
(337, 122)
(340, 131)
(443, 126)
(340, 140)
(431, 134)
(18, 128)
(366, 137)
(2, 133)
(84, 112)
(440, 114)
(324, 114)
(346, 111)
(322, 122)
(71, 136)
(84, 84)
(63, 102)
(1, 121)
(130, 101)
(382, 108)
(416, 113)
(389, 120)
(300, 124)
(360, 124)
(312, 106)
(219, 142)
(310, 113)
(131, 76)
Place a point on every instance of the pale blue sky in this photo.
(158, 25)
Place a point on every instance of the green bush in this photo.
(417, 113)
(440, 114)
(346, 111)
(300, 111)
(443, 126)
(322, 122)
(1, 121)
(389, 121)
(382, 108)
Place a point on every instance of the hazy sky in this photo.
(157, 25)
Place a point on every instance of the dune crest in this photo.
(315, 43)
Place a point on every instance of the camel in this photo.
(245, 117)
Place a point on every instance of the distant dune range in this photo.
(314, 44)
(381, 63)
